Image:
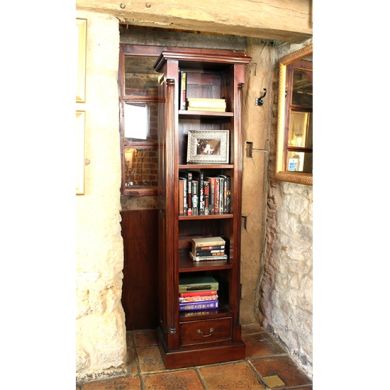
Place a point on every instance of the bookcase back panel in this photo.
(207, 84)
(201, 123)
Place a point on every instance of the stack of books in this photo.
(200, 195)
(206, 104)
(198, 293)
(208, 249)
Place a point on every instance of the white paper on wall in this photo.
(136, 121)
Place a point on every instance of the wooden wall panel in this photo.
(139, 295)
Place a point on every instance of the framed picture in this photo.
(81, 59)
(208, 146)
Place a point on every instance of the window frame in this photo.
(133, 51)
(286, 68)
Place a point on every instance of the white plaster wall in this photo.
(100, 325)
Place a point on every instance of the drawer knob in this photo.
(211, 331)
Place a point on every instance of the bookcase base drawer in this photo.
(206, 331)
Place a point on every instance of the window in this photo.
(139, 104)
(294, 155)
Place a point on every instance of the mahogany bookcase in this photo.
(209, 336)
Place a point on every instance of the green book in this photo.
(197, 283)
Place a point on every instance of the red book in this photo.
(198, 293)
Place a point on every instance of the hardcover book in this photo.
(198, 298)
(197, 283)
(208, 241)
(183, 90)
(191, 306)
(207, 258)
(198, 293)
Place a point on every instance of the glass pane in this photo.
(140, 121)
(140, 166)
(300, 162)
(300, 132)
(302, 88)
(140, 77)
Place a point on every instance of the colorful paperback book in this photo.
(191, 306)
(199, 298)
(198, 293)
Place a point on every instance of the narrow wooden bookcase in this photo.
(209, 336)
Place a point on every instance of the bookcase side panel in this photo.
(237, 187)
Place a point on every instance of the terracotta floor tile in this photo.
(284, 367)
(132, 365)
(127, 383)
(149, 359)
(173, 380)
(273, 381)
(129, 339)
(261, 345)
(231, 376)
(145, 338)
(251, 328)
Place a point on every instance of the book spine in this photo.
(208, 258)
(198, 293)
(189, 193)
(185, 204)
(217, 252)
(228, 195)
(198, 287)
(198, 305)
(209, 247)
(201, 193)
(221, 197)
(195, 197)
(206, 197)
(216, 196)
(211, 195)
(183, 90)
(199, 298)
(181, 196)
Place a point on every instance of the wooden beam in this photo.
(285, 20)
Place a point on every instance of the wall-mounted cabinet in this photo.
(207, 99)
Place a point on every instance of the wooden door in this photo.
(139, 294)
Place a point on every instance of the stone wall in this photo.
(100, 324)
(286, 284)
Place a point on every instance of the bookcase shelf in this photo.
(194, 167)
(187, 265)
(204, 217)
(222, 311)
(214, 335)
(206, 113)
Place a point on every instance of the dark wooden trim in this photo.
(200, 55)
(137, 192)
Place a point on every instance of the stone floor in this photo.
(266, 366)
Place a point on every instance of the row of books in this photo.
(197, 104)
(198, 293)
(200, 195)
(208, 249)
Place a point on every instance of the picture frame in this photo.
(208, 146)
(81, 59)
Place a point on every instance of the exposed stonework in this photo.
(286, 285)
(100, 325)
(286, 289)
